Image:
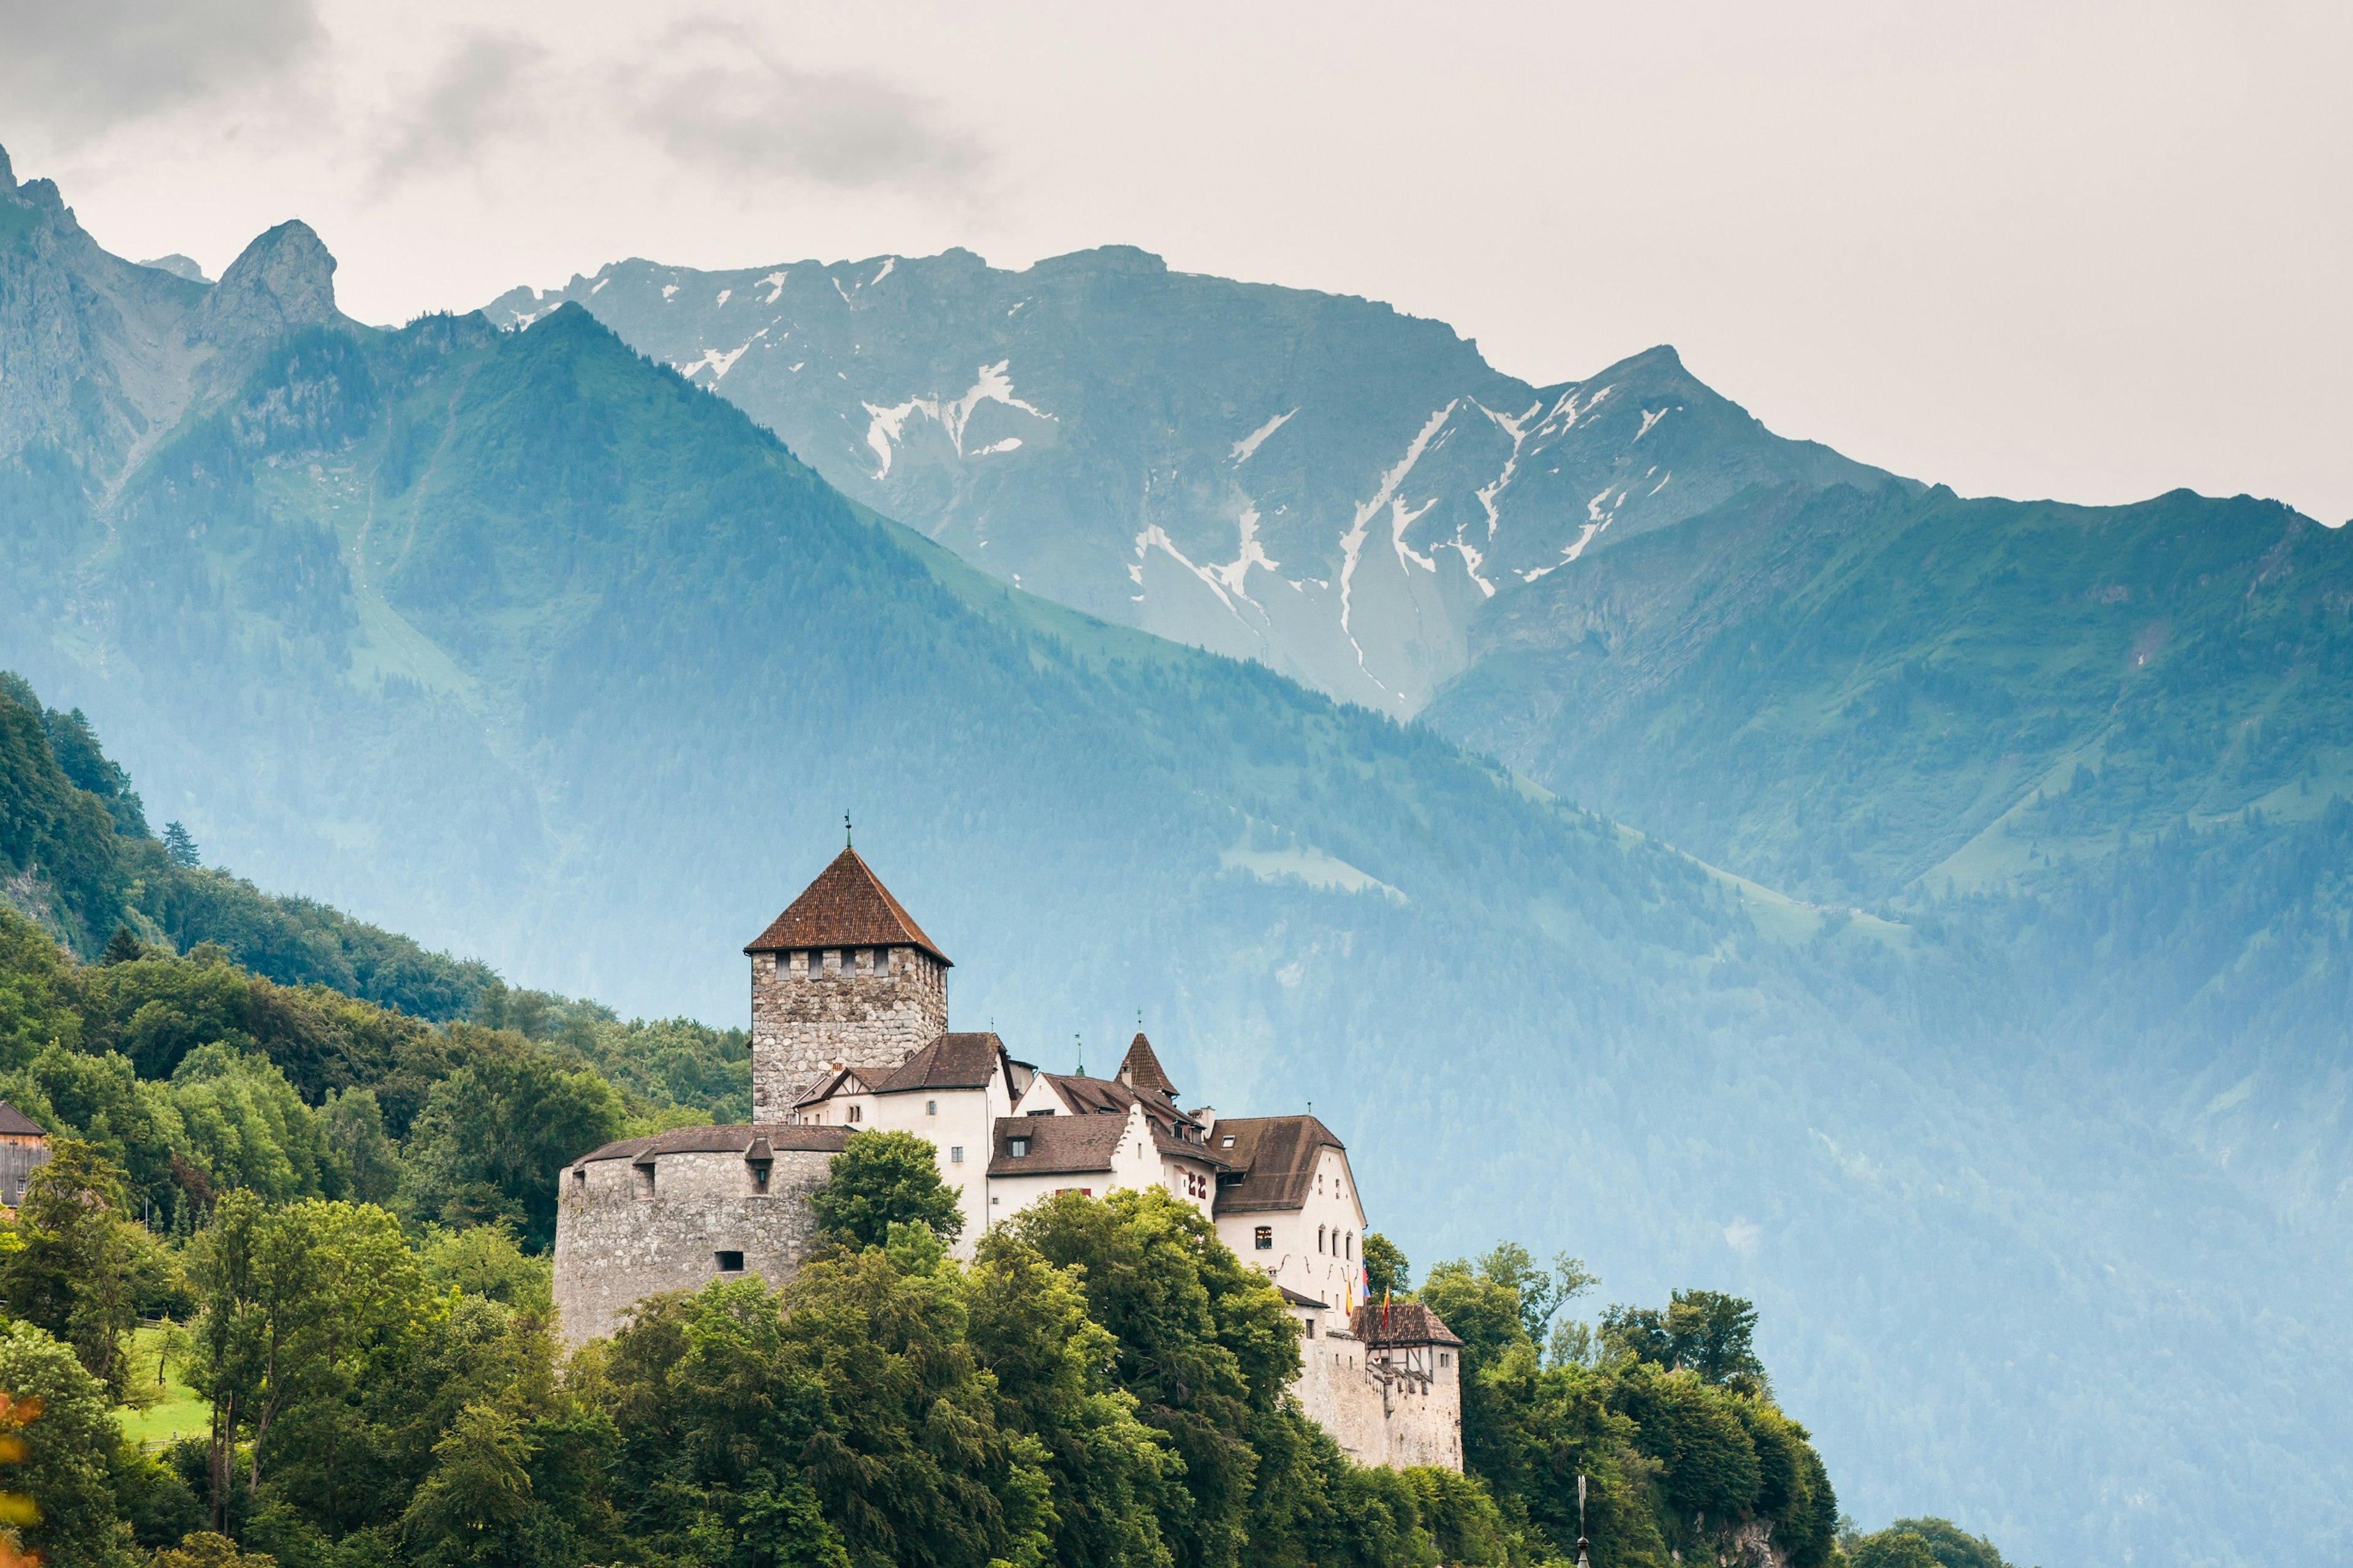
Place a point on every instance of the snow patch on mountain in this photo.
(1256, 439)
(992, 383)
(1352, 543)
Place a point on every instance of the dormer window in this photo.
(1017, 1148)
(1226, 1142)
(759, 1169)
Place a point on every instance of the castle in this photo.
(849, 1031)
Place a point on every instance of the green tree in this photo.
(882, 1179)
(370, 1161)
(487, 1261)
(70, 1273)
(245, 1126)
(1708, 1464)
(493, 1133)
(478, 1501)
(1113, 1476)
(180, 846)
(716, 1417)
(1952, 1546)
(1706, 1333)
(68, 1453)
(1208, 1350)
(209, 1548)
(1386, 1269)
(1892, 1547)
(302, 1306)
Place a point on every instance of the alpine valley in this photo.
(1947, 949)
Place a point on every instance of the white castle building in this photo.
(849, 1033)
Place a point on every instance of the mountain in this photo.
(1852, 694)
(1313, 481)
(532, 648)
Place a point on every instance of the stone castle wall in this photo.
(621, 1238)
(1381, 1405)
(811, 1008)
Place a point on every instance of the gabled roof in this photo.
(1140, 1069)
(846, 906)
(1173, 1132)
(840, 1081)
(744, 1139)
(951, 1061)
(1059, 1145)
(1276, 1155)
(15, 1124)
(1401, 1323)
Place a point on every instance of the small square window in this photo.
(1445, 1358)
(930, 1107)
(955, 1154)
(759, 1176)
(1265, 1239)
(730, 1262)
(1017, 1148)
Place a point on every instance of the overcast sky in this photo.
(2092, 251)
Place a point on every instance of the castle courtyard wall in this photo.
(616, 1242)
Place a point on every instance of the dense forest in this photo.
(319, 1216)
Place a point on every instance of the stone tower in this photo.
(843, 975)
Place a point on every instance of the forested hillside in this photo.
(341, 1213)
(525, 644)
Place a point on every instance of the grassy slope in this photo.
(522, 643)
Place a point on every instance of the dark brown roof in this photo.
(1296, 1300)
(736, 1139)
(1173, 1131)
(846, 906)
(1276, 1155)
(1140, 1069)
(1059, 1145)
(15, 1124)
(951, 1061)
(840, 1081)
(1408, 1323)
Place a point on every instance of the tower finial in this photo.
(845, 830)
(1081, 1046)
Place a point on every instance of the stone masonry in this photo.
(860, 1007)
(676, 1211)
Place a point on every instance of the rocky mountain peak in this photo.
(284, 280)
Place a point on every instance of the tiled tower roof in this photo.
(1140, 1069)
(846, 906)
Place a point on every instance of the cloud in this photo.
(483, 90)
(90, 65)
(718, 101)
